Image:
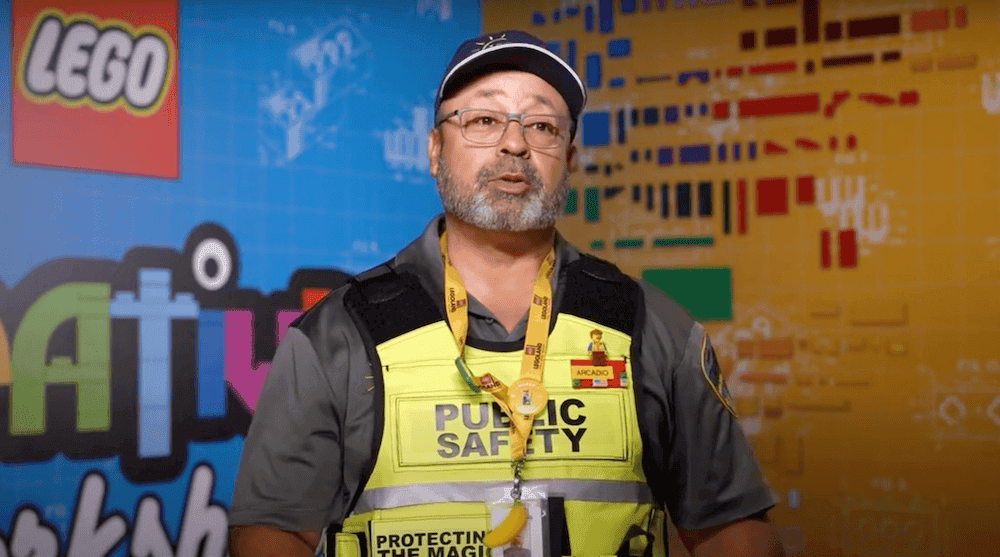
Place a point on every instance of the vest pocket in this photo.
(349, 545)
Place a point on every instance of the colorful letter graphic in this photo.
(30, 373)
(155, 310)
(4, 357)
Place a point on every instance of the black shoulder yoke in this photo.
(390, 302)
(596, 290)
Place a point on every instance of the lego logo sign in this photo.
(79, 60)
(95, 86)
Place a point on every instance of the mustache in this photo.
(510, 165)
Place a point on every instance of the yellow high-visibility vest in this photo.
(443, 446)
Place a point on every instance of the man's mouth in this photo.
(511, 183)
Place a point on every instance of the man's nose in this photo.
(512, 141)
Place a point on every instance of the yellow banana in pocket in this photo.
(506, 531)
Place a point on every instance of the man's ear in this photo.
(572, 162)
(433, 151)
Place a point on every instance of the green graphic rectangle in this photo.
(705, 292)
(571, 202)
(628, 243)
(683, 241)
(597, 244)
(591, 204)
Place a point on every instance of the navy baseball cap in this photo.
(512, 50)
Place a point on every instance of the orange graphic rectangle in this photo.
(958, 62)
(770, 348)
(929, 20)
(105, 75)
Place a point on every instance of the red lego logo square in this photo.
(95, 86)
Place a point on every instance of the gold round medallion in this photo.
(527, 396)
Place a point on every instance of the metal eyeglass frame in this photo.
(516, 116)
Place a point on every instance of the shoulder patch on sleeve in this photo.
(713, 376)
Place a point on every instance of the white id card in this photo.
(530, 542)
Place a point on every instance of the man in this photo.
(398, 410)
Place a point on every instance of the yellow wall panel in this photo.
(865, 308)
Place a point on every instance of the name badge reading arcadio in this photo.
(527, 396)
(585, 375)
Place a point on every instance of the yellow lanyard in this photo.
(526, 397)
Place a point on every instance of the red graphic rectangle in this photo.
(772, 196)
(720, 110)
(960, 17)
(847, 248)
(312, 295)
(805, 190)
(825, 256)
(112, 112)
(778, 106)
(741, 206)
(776, 67)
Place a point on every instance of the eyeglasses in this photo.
(485, 127)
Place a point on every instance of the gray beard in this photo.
(489, 209)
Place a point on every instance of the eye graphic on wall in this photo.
(214, 260)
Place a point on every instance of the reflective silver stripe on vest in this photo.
(574, 490)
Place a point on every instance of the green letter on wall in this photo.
(88, 304)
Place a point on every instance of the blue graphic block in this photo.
(155, 310)
(695, 154)
(556, 15)
(752, 150)
(684, 199)
(588, 18)
(596, 129)
(736, 151)
(635, 117)
(670, 115)
(621, 126)
(689, 110)
(538, 18)
(571, 11)
(665, 156)
(553, 47)
(619, 48)
(607, 16)
(634, 156)
(211, 387)
(571, 53)
(703, 109)
(616, 82)
(628, 6)
(705, 199)
(593, 71)
(700, 75)
(664, 200)
(650, 116)
(722, 152)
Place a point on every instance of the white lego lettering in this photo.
(91, 535)
(38, 77)
(80, 60)
(107, 72)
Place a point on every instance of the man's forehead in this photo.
(516, 86)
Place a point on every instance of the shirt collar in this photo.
(423, 257)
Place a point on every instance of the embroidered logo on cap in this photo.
(490, 41)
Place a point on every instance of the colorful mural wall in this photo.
(819, 182)
(180, 179)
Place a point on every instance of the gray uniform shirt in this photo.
(310, 440)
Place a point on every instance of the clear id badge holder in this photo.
(531, 540)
